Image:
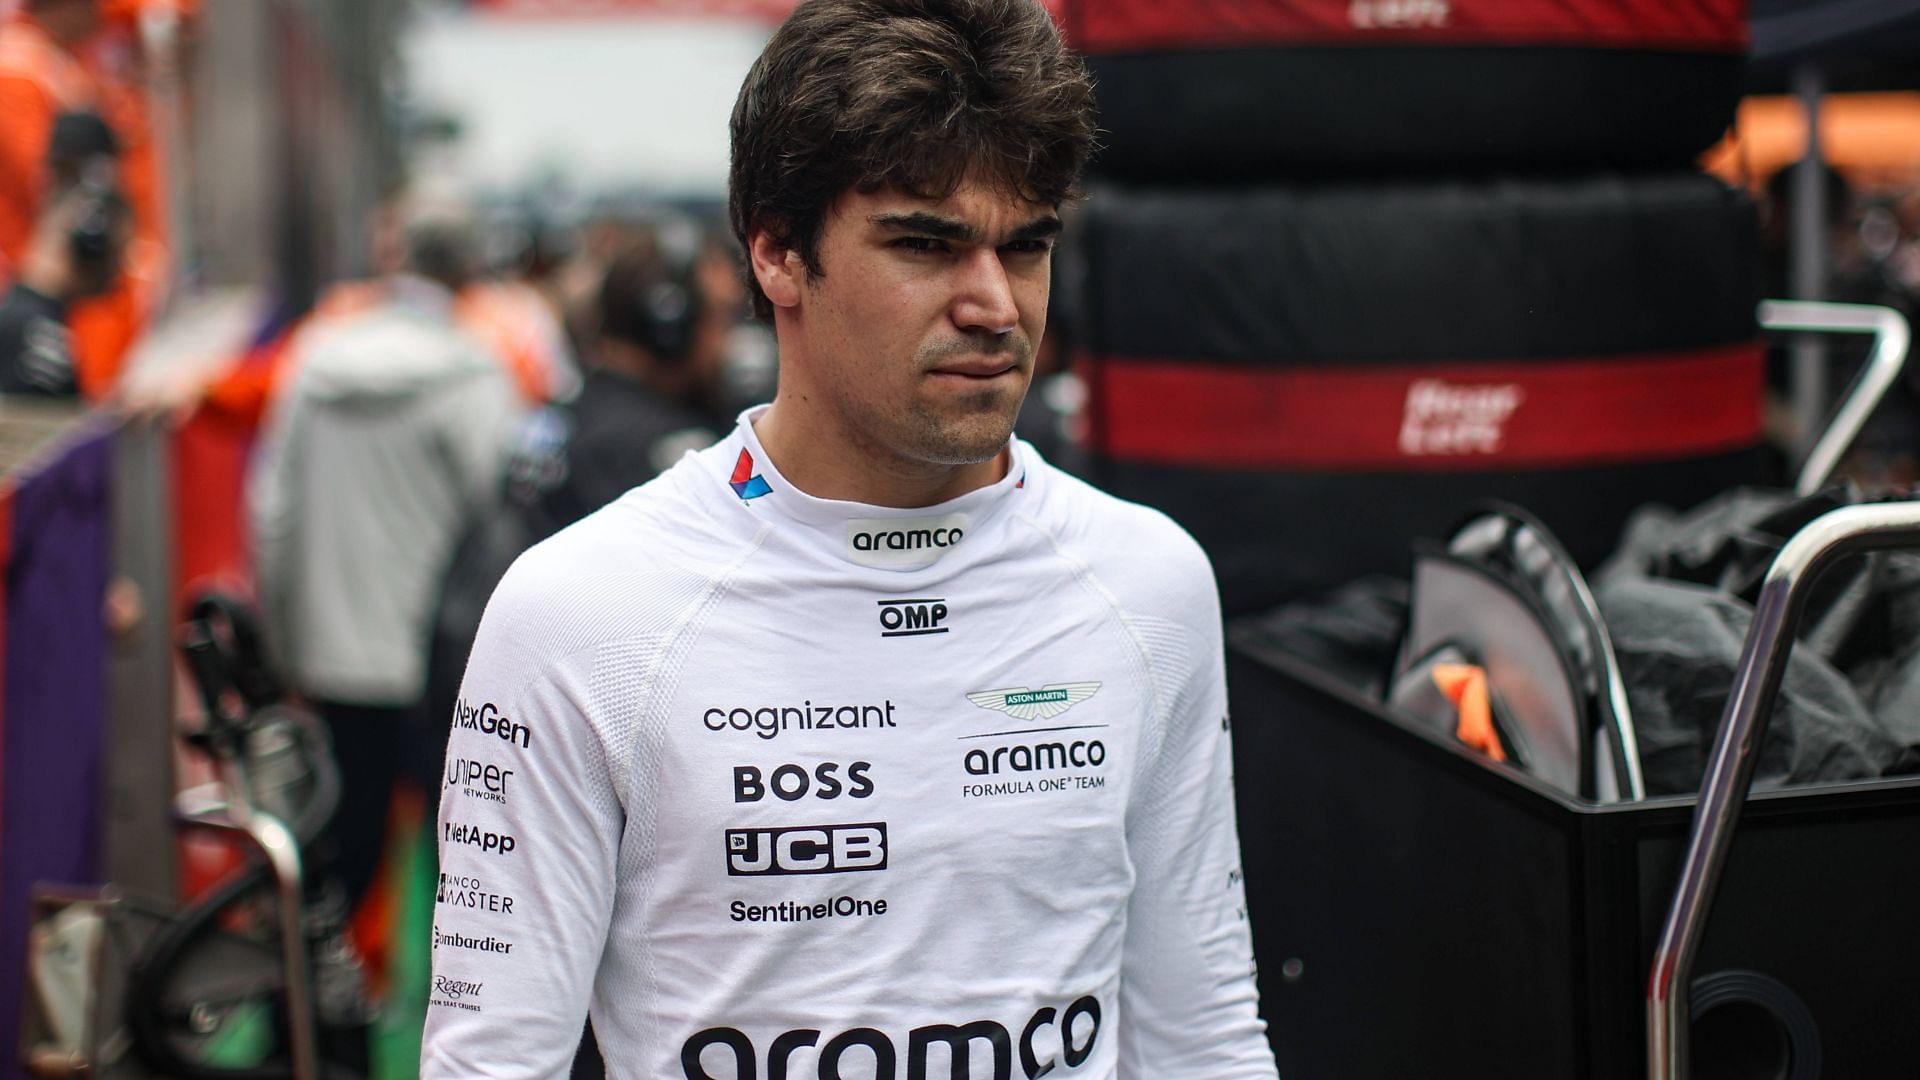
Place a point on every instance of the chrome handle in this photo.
(1891, 338)
(1763, 662)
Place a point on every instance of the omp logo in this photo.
(487, 720)
(1398, 14)
(903, 543)
(478, 780)
(809, 849)
(474, 836)
(1447, 420)
(746, 483)
(1043, 704)
(790, 783)
(911, 618)
(1049, 1039)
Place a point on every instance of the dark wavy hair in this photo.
(918, 95)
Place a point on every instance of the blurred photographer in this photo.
(75, 253)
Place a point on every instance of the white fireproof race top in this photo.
(789, 788)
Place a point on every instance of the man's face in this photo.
(919, 330)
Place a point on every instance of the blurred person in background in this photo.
(50, 66)
(75, 253)
(654, 390)
(390, 433)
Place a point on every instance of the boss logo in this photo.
(791, 783)
(810, 849)
(911, 618)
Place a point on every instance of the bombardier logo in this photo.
(1043, 704)
(810, 849)
(1449, 420)
(903, 543)
(1049, 1039)
(913, 618)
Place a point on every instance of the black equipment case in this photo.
(1420, 911)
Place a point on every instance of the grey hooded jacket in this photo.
(389, 437)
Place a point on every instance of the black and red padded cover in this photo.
(1308, 378)
(1219, 89)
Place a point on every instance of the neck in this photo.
(824, 458)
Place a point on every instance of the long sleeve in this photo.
(1188, 1000)
(529, 834)
(273, 514)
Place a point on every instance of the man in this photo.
(864, 744)
(391, 429)
(75, 254)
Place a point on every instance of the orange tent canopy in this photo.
(1873, 139)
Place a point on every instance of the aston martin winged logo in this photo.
(1043, 704)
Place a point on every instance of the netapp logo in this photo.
(768, 721)
(807, 849)
(912, 618)
(903, 543)
(1073, 1036)
(474, 836)
(462, 941)
(467, 892)
(1446, 420)
(1038, 757)
(790, 783)
(477, 780)
(487, 720)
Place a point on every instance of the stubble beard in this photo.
(963, 429)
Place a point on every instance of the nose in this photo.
(983, 298)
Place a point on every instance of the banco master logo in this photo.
(807, 849)
(1049, 1039)
(460, 891)
(913, 617)
(1043, 704)
(903, 543)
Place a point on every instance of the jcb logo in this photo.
(910, 618)
(810, 849)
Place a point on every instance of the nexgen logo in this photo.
(903, 543)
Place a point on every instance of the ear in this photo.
(779, 270)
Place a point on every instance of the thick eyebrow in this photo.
(1037, 229)
(926, 223)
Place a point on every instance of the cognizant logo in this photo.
(903, 543)
(1049, 1039)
